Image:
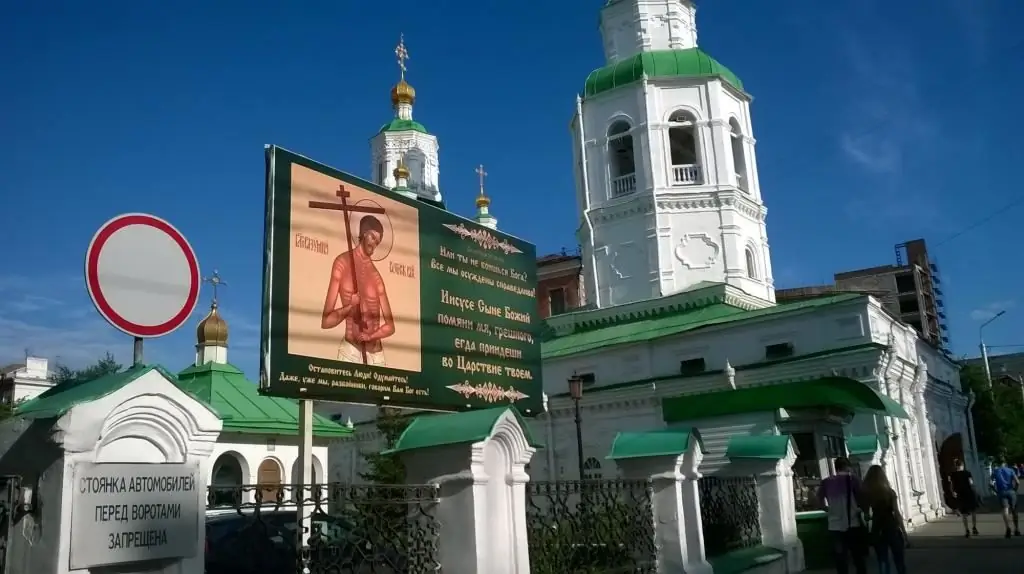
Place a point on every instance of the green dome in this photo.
(399, 125)
(690, 63)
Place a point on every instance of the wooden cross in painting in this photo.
(346, 210)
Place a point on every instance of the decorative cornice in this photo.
(628, 206)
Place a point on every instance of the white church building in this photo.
(683, 329)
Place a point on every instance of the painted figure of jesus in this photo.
(358, 298)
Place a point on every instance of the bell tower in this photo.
(666, 175)
(405, 142)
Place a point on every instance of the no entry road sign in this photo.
(142, 275)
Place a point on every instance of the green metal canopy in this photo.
(431, 430)
(764, 447)
(667, 442)
(841, 392)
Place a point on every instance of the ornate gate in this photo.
(9, 489)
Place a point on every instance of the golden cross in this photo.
(480, 171)
(215, 281)
(402, 54)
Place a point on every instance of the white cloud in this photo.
(988, 311)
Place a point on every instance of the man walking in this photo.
(1005, 483)
(844, 499)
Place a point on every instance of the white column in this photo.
(931, 475)
(482, 496)
(678, 528)
(778, 510)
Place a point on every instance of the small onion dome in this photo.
(212, 330)
(402, 93)
(482, 200)
(401, 172)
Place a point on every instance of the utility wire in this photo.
(982, 221)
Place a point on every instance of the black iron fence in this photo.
(10, 489)
(730, 512)
(805, 493)
(591, 527)
(355, 529)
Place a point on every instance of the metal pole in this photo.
(984, 349)
(137, 352)
(305, 488)
(579, 438)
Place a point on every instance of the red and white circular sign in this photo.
(142, 275)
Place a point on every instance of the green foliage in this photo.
(998, 424)
(105, 366)
(387, 468)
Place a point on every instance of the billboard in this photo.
(374, 298)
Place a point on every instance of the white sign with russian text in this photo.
(124, 512)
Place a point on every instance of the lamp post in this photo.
(576, 392)
(984, 349)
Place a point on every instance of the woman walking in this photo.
(888, 531)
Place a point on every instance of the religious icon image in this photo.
(353, 284)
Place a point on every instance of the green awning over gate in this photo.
(841, 392)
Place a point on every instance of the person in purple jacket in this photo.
(843, 499)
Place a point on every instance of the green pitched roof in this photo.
(400, 125)
(455, 428)
(690, 63)
(242, 409)
(60, 399)
(668, 442)
(647, 328)
(839, 392)
(765, 447)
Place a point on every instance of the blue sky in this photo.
(876, 122)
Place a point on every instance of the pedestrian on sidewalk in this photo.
(1005, 483)
(888, 529)
(965, 500)
(843, 499)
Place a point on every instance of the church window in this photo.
(778, 351)
(621, 159)
(751, 264)
(739, 157)
(592, 469)
(692, 366)
(380, 173)
(268, 477)
(682, 139)
(557, 301)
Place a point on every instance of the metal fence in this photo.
(730, 513)
(356, 529)
(591, 527)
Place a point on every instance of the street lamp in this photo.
(984, 349)
(576, 392)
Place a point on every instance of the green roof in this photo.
(60, 399)
(841, 392)
(668, 442)
(400, 125)
(689, 63)
(637, 330)
(455, 428)
(765, 447)
(242, 409)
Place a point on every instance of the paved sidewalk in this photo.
(940, 547)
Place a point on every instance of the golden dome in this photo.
(212, 330)
(403, 93)
(482, 200)
(401, 172)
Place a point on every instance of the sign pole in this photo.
(308, 492)
(137, 352)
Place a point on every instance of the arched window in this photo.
(751, 264)
(621, 159)
(268, 478)
(228, 480)
(682, 141)
(591, 469)
(739, 157)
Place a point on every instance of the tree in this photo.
(387, 468)
(988, 427)
(105, 366)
